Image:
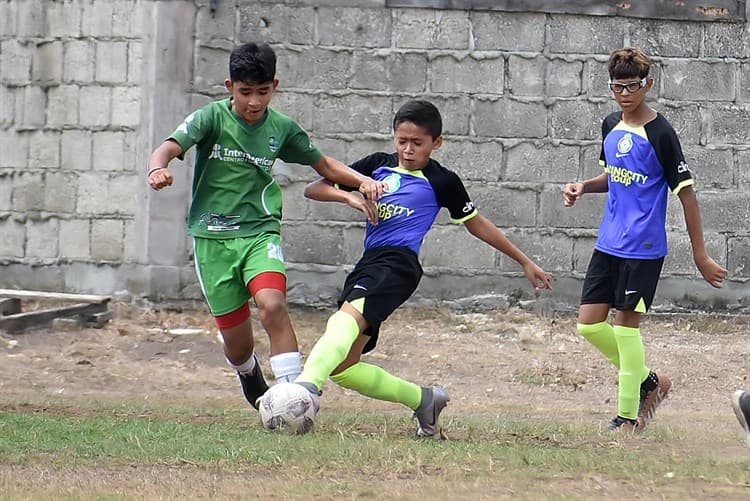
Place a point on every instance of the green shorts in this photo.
(225, 267)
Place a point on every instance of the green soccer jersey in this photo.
(234, 193)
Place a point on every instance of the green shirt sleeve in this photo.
(298, 147)
(193, 129)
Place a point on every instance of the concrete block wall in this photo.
(87, 92)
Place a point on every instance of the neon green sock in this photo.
(633, 369)
(331, 349)
(375, 382)
(602, 336)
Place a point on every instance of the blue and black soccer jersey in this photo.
(414, 198)
(642, 164)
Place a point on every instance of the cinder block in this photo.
(135, 61)
(738, 257)
(14, 238)
(451, 246)
(28, 193)
(743, 162)
(221, 24)
(76, 150)
(701, 80)
(551, 250)
(8, 105)
(123, 191)
(301, 243)
(467, 75)
(585, 214)
(595, 77)
(542, 162)
(16, 151)
(106, 239)
(8, 14)
(352, 113)
(127, 18)
(111, 62)
(727, 40)
(62, 106)
(211, 68)
(687, 121)
(517, 32)
(63, 19)
(471, 160)
(680, 259)
(47, 62)
(15, 62)
(711, 167)
(97, 19)
(586, 35)
(564, 78)
(41, 238)
(506, 206)
(126, 106)
(32, 115)
(729, 124)
(431, 29)
(75, 239)
(6, 189)
(526, 75)
(94, 107)
(92, 197)
(519, 119)
(724, 211)
(365, 27)
(108, 150)
(579, 119)
(79, 61)
(31, 20)
(44, 149)
(663, 38)
(297, 105)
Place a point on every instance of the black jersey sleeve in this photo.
(608, 124)
(367, 165)
(450, 192)
(669, 152)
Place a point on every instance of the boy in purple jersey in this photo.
(235, 210)
(389, 271)
(642, 161)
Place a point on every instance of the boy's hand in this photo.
(712, 272)
(571, 193)
(373, 190)
(160, 178)
(539, 278)
(366, 206)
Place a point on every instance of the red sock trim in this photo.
(234, 318)
(268, 280)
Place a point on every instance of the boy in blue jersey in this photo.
(389, 271)
(642, 160)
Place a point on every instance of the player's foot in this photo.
(315, 393)
(624, 425)
(253, 385)
(434, 400)
(741, 405)
(650, 399)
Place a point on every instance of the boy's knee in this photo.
(273, 309)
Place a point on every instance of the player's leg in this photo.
(227, 297)
(264, 271)
(741, 406)
(596, 300)
(633, 368)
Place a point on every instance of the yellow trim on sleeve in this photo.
(464, 219)
(683, 184)
(641, 306)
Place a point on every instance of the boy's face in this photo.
(629, 100)
(250, 100)
(414, 145)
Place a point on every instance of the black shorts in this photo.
(625, 284)
(386, 277)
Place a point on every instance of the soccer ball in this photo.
(288, 407)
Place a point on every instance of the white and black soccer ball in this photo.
(288, 407)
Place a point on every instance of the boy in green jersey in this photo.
(235, 211)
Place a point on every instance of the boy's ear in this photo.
(437, 143)
(228, 84)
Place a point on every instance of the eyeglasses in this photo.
(617, 88)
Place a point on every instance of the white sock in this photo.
(286, 366)
(244, 368)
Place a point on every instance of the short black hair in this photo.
(421, 113)
(252, 63)
(628, 63)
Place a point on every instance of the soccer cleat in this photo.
(434, 400)
(314, 392)
(253, 385)
(624, 425)
(741, 405)
(650, 400)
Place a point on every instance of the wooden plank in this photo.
(20, 321)
(10, 306)
(59, 296)
(693, 10)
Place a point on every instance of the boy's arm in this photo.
(574, 191)
(485, 230)
(323, 190)
(712, 272)
(340, 173)
(158, 175)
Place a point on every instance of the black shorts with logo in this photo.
(386, 277)
(626, 284)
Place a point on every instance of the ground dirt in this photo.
(533, 364)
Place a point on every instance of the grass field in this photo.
(533, 429)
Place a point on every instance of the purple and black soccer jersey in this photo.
(414, 198)
(642, 164)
